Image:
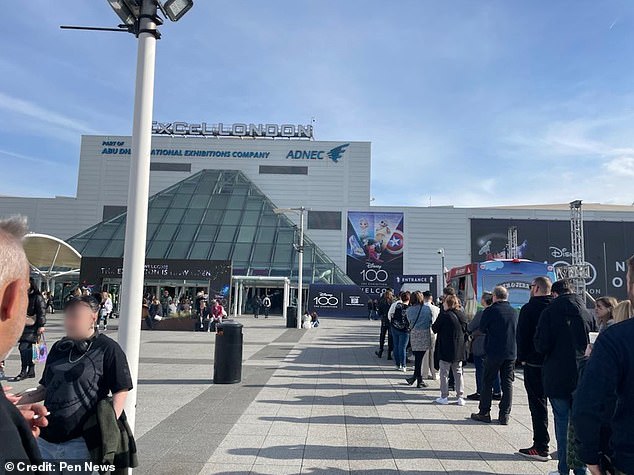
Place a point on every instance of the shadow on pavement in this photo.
(367, 453)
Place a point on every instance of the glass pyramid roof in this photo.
(216, 214)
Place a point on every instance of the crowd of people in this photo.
(207, 312)
(583, 365)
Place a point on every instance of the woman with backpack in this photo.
(450, 326)
(399, 326)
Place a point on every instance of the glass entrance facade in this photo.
(216, 215)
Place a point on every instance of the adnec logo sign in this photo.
(334, 154)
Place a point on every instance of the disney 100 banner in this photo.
(374, 249)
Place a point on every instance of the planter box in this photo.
(172, 324)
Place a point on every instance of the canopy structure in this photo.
(50, 257)
(240, 281)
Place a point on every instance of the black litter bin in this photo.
(228, 353)
(291, 317)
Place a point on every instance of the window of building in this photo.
(282, 170)
(324, 220)
(170, 167)
(110, 211)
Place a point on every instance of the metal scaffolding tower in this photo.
(578, 271)
(511, 246)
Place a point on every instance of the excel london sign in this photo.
(233, 130)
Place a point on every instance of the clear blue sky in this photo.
(467, 102)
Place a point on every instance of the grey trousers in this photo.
(428, 360)
(444, 378)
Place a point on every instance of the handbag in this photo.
(40, 350)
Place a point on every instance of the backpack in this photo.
(399, 319)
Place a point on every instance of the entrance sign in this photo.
(412, 282)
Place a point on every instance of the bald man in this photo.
(18, 426)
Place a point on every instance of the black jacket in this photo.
(499, 324)
(18, 442)
(562, 337)
(37, 311)
(451, 328)
(609, 372)
(383, 308)
(526, 326)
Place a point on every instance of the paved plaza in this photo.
(311, 401)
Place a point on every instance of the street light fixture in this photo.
(128, 11)
(175, 9)
(300, 260)
(441, 281)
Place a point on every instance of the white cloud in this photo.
(621, 166)
(42, 115)
(31, 159)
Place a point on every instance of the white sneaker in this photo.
(399, 368)
(404, 369)
(442, 400)
(461, 401)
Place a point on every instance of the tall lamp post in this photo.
(300, 259)
(441, 281)
(141, 18)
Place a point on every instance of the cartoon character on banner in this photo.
(382, 234)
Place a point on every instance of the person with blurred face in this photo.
(18, 425)
(82, 369)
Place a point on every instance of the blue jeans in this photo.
(401, 339)
(74, 451)
(478, 362)
(561, 415)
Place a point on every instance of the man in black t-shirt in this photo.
(17, 426)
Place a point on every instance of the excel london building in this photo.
(219, 194)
